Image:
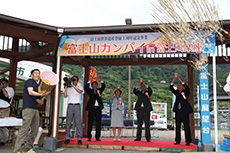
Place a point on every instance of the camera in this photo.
(68, 81)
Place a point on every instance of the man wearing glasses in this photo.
(74, 109)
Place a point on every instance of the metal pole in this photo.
(128, 21)
(129, 92)
(215, 100)
(60, 31)
(56, 99)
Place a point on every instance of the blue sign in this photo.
(209, 45)
(197, 115)
(204, 106)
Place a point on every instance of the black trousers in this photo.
(182, 117)
(95, 113)
(143, 115)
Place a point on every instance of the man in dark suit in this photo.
(182, 109)
(143, 107)
(94, 107)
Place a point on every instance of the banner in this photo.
(128, 44)
(92, 73)
(204, 107)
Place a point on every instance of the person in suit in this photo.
(182, 109)
(94, 107)
(143, 107)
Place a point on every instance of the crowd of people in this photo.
(143, 107)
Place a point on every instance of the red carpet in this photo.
(131, 142)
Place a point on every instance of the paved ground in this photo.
(6, 149)
(165, 135)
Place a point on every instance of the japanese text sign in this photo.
(126, 44)
(204, 107)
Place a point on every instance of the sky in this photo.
(86, 13)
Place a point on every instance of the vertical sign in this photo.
(204, 106)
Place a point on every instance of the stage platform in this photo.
(130, 144)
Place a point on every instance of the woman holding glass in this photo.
(117, 110)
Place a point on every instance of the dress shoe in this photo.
(148, 140)
(98, 139)
(79, 142)
(89, 139)
(137, 140)
(66, 142)
(187, 143)
(176, 143)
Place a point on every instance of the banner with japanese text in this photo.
(127, 44)
(93, 73)
(205, 106)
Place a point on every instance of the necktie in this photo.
(179, 106)
(184, 97)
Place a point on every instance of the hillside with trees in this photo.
(157, 77)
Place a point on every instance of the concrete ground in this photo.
(7, 149)
(164, 135)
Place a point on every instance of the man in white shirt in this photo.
(74, 109)
(6, 96)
